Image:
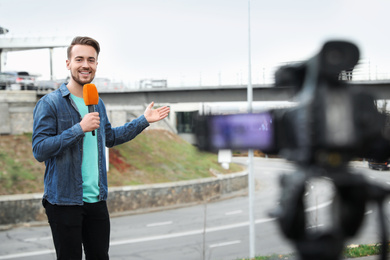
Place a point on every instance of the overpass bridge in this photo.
(35, 43)
(381, 89)
(16, 107)
(186, 102)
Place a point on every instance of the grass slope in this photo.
(154, 156)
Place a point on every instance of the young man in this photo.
(75, 180)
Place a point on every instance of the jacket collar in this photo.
(64, 90)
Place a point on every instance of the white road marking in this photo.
(368, 212)
(187, 233)
(34, 239)
(316, 226)
(233, 212)
(159, 224)
(225, 243)
(281, 169)
(319, 206)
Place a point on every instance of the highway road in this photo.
(216, 230)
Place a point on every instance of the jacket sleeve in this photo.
(122, 134)
(47, 142)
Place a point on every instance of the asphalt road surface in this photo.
(213, 230)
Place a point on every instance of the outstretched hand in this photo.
(154, 115)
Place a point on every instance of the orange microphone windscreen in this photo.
(90, 95)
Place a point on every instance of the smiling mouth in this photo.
(85, 73)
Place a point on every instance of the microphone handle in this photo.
(91, 109)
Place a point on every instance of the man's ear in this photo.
(67, 64)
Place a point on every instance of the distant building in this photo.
(153, 83)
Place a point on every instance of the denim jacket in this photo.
(58, 141)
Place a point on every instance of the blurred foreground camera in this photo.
(331, 123)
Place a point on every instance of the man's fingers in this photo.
(91, 121)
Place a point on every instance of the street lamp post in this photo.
(251, 179)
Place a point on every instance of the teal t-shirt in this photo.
(89, 166)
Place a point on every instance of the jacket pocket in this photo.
(65, 121)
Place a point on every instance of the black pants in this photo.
(74, 226)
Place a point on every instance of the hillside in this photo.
(155, 156)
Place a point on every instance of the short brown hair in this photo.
(83, 40)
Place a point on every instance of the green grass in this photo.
(15, 171)
(160, 156)
(363, 250)
(154, 156)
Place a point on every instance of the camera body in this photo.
(331, 123)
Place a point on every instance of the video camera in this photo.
(332, 123)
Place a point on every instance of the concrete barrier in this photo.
(27, 208)
(16, 111)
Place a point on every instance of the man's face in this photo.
(82, 64)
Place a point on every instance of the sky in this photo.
(197, 42)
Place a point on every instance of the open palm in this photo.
(154, 115)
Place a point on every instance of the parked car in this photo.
(378, 165)
(17, 80)
(50, 84)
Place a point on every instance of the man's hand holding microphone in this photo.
(91, 121)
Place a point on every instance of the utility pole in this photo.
(251, 181)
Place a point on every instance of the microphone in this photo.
(91, 98)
